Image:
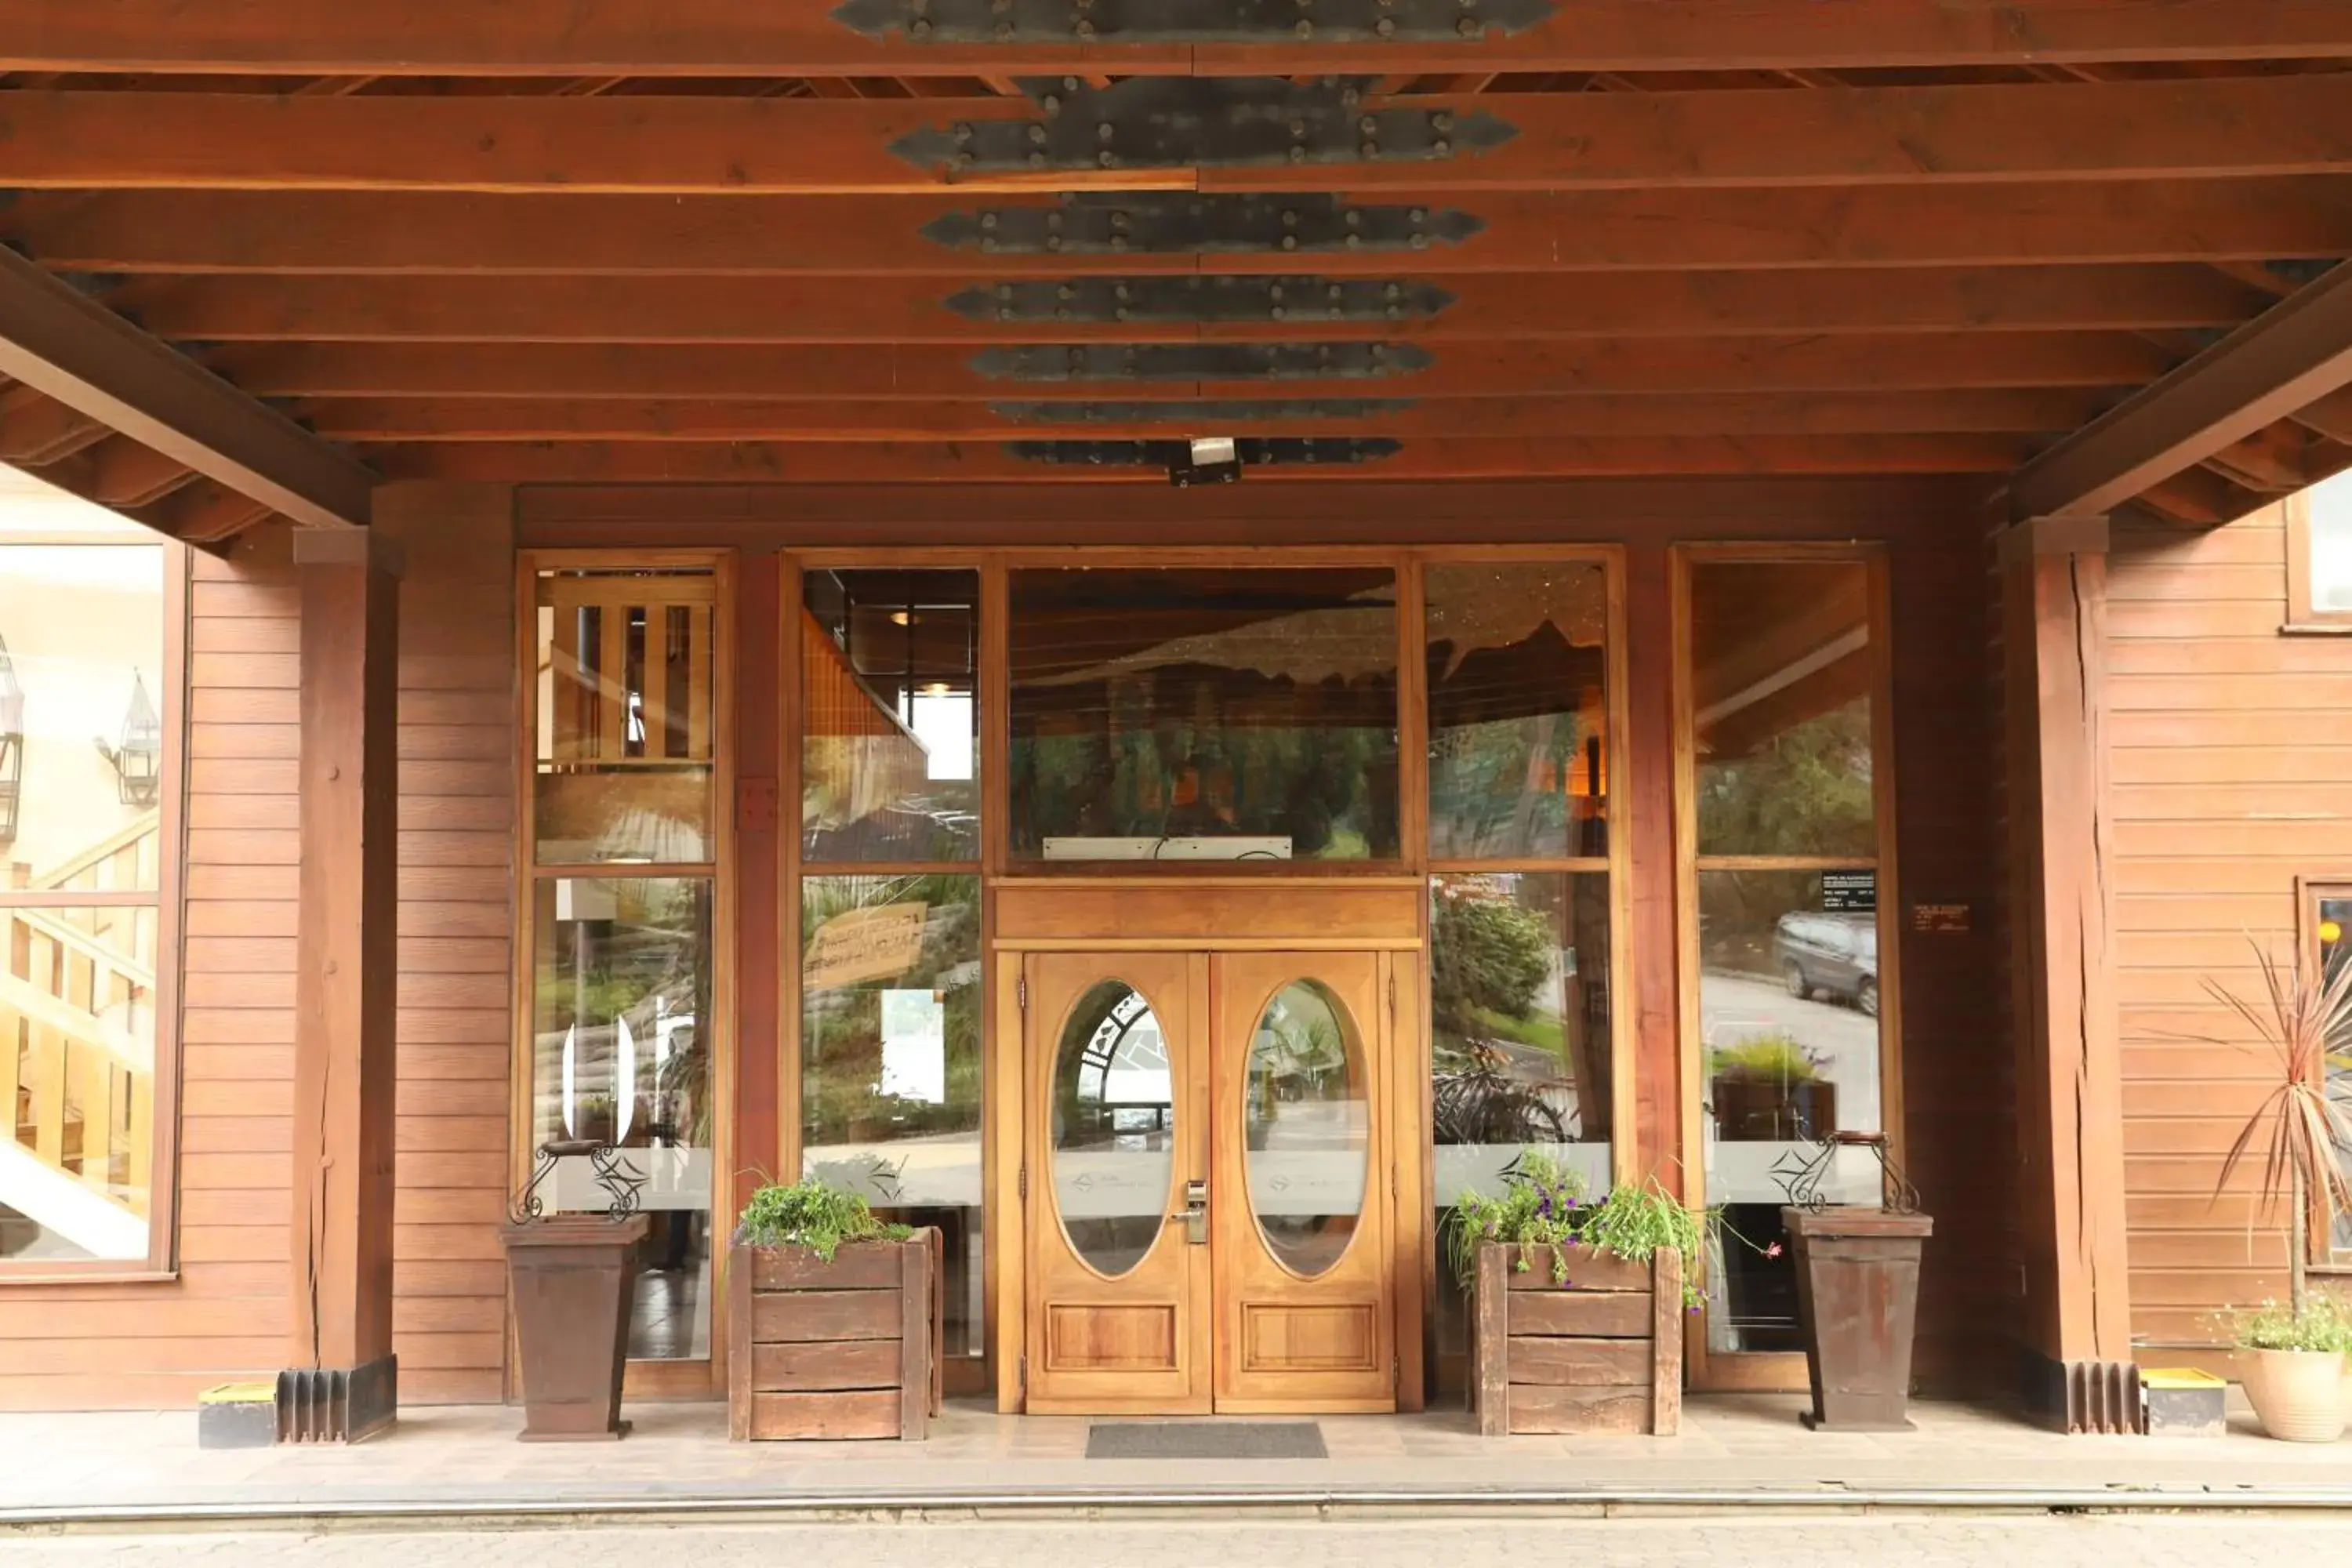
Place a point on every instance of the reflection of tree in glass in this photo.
(1804, 790)
(1489, 961)
(646, 965)
(842, 1099)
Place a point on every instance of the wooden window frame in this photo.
(1778, 1369)
(2320, 1252)
(2301, 617)
(665, 1379)
(168, 900)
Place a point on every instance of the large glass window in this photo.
(1230, 714)
(2331, 919)
(624, 705)
(2319, 552)
(89, 769)
(891, 1061)
(1783, 671)
(890, 716)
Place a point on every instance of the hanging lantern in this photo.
(138, 753)
(12, 745)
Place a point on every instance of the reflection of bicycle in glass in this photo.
(1482, 1103)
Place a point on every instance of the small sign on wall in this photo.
(1943, 919)
(1850, 892)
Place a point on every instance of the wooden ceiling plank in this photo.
(37, 429)
(719, 38)
(2033, 131)
(448, 234)
(887, 372)
(2282, 361)
(204, 512)
(381, 420)
(73, 349)
(1523, 307)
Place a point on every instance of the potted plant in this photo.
(1577, 1307)
(1768, 1088)
(571, 1277)
(833, 1318)
(2295, 1375)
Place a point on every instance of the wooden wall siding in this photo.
(2229, 763)
(456, 917)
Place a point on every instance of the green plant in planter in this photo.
(1543, 1205)
(813, 1215)
(2322, 1323)
(1776, 1058)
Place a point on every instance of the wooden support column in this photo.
(342, 1379)
(1644, 810)
(2069, 1069)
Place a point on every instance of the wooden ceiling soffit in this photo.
(886, 37)
(61, 344)
(379, 420)
(925, 462)
(2285, 361)
(848, 372)
(1169, 308)
(953, 235)
(2073, 132)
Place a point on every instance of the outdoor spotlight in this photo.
(1206, 460)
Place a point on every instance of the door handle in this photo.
(1195, 1214)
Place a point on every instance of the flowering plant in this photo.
(2323, 1324)
(1543, 1205)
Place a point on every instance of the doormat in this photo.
(1205, 1440)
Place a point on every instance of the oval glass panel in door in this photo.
(1306, 1126)
(1114, 1127)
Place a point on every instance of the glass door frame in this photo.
(1776, 1371)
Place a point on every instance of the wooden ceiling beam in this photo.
(720, 37)
(119, 472)
(37, 429)
(1904, 135)
(991, 462)
(454, 234)
(2268, 371)
(1374, 368)
(2202, 499)
(71, 348)
(1520, 307)
(1379, 412)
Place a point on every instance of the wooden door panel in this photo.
(1305, 1303)
(1118, 1297)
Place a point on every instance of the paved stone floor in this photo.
(1731, 1448)
(1719, 1541)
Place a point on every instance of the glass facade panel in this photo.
(2334, 957)
(82, 745)
(1782, 670)
(890, 1061)
(1114, 1129)
(622, 1053)
(890, 742)
(1204, 714)
(626, 721)
(1519, 711)
(2328, 536)
(77, 1033)
(1307, 1127)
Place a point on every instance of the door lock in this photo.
(1196, 1213)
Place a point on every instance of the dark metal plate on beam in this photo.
(1201, 362)
(1036, 22)
(1167, 223)
(1202, 415)
(1253, 451)
(1200, 298)
(1196, 122)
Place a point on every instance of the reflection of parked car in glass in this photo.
(1832, 955)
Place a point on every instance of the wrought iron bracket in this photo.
(1035, 22)
(1188, 123)
(1199, 414)
(1201, 362)
(1805, 1173)
(620, 1181)
(1161, 223)
(1200, 298)
(1254, 452)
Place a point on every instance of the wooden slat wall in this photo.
(456, 920)
(2228, 767)
(156, 1345)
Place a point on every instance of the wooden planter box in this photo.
(1601, 1354)
(830, 1350)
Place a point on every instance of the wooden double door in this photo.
(1209, 1168)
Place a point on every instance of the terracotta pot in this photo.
(2299, 1395)
(1858, 1303)
(573, 1277)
